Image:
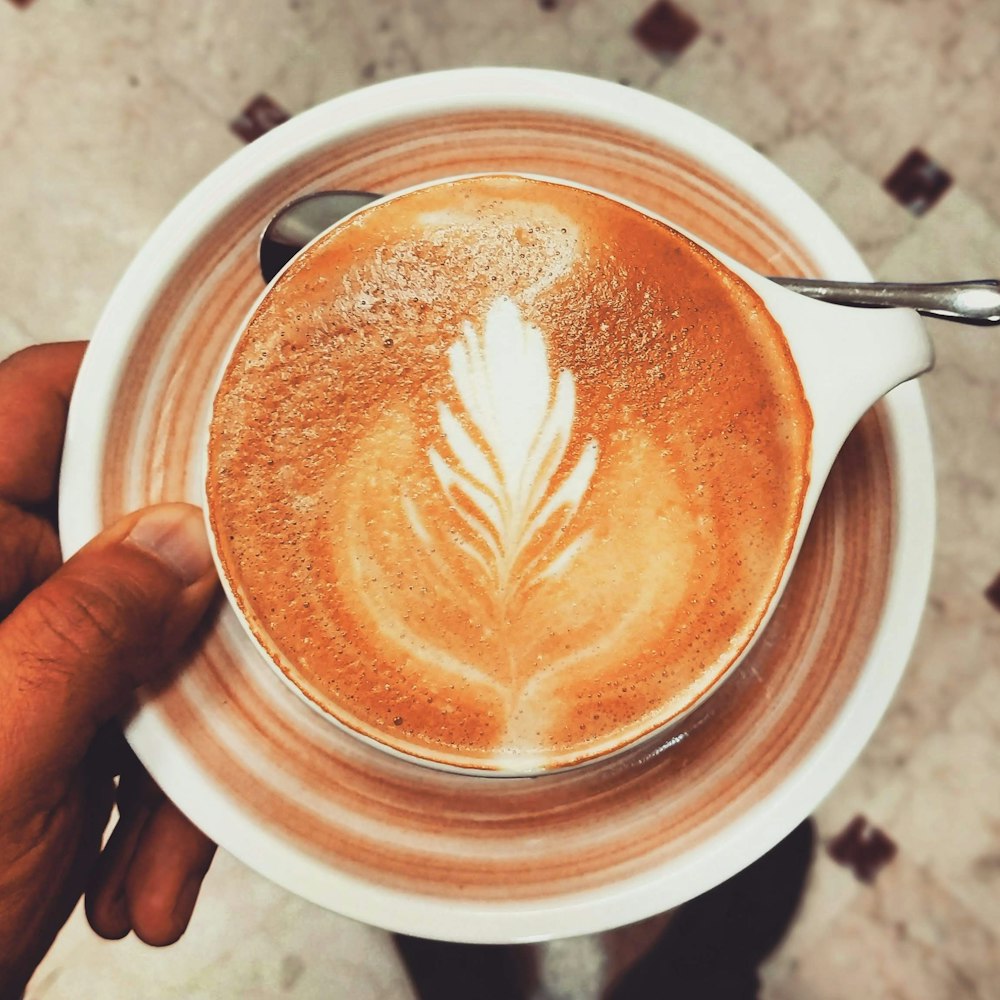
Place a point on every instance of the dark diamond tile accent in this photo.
(666, 30)
(548, 4)
(863, 848)
(918, 182)
(21, 3)
(993, 593)
(261, 115)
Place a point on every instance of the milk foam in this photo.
(504, 449)
(559, 247)
(505, 472)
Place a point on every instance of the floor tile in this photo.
(12, 337)
(666, 29)
(586, 37)
(853, 199)
(917, 182)
(225, 53)
(261, 114)
(113, 144)
(711, 81)
(877, 76)
(956, 830)
(267, 944)
(908, 938)
(966, 137)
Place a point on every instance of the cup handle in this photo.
(847, 358)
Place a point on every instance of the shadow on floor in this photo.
(710, 950)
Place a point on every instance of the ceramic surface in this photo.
(444, 855)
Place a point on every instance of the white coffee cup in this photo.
(422, 851)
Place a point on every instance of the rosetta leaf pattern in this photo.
(502, 443)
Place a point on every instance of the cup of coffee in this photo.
(505, 474)
(424, 850)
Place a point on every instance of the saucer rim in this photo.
(212, 807)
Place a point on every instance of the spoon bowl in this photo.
(299, 222)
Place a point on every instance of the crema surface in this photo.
(504, 474)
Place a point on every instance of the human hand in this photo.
(75, 642)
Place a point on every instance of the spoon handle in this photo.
(975, 302)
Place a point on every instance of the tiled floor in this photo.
(113, 110)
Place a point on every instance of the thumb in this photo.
(110, 620)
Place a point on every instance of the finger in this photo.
(35, 388)
(165, 875)
(29, 554)
(105, 904)
(110, 620)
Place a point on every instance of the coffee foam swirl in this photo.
(505, 452)
(508, 475)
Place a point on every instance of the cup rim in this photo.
(751, 834)
(821, 455)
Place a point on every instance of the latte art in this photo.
(500, 471)
(503, 474)
(504, 452)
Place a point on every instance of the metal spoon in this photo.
(973, 302)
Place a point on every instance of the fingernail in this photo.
(176, 536)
